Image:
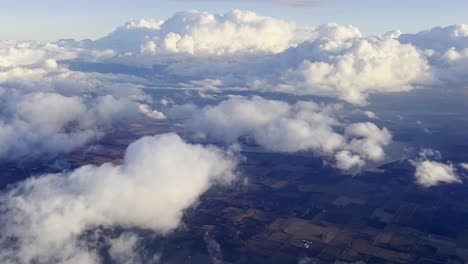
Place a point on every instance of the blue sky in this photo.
(53, 19)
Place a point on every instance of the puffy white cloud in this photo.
(44, 216)
(330, 60)
(285, 3)
(14, 53)
(279, 126)
(439, 39)
(145, 109)
(345, 160)
(450, 67)
(340, 63)
(432, 173)
(370, 114)
(447, 51)
(46, 124)
(154, 24)
(48, 109)
(368, 140)
(201, 33)
(236, 117)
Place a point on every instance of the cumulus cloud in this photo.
(447, 50)
(331, 59)
(14, 53)
(200, 33)
(46, 124)
(243, 49)
(48, 109)
(439, 39)
(279, 126)
(343, 64)
(432, 173)
(43, 217)
(285, 3)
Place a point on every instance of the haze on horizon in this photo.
(57, 19)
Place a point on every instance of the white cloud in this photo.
(439, 39)
(122, 249)
(345, 160)
(46, 124)
(370, 114)
(330, 60)
(464, 165)
(447, 51)
(279, 126)
(432, 173)
(48, 109)
(46, 214)
(145, 109)
(368, 139)
(201, 33)
(350, 67)
(284, 3)
(14, 53)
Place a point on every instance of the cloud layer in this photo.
(44, 216)
(241, 49)
(331, 60)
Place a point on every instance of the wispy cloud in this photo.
(285, 3)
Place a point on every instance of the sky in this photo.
(56, 19)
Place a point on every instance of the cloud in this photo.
(126, 249)
(432, 173)
(447, 51)
(148, 191)
(341, 63)
(285, 3)
(39, 124)
(48, 109)
(214, 249)
(23, 53)
(439, 39)
(244, 50)
(464, 165)
(200, 33)
(279, 126)
(330, 60)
